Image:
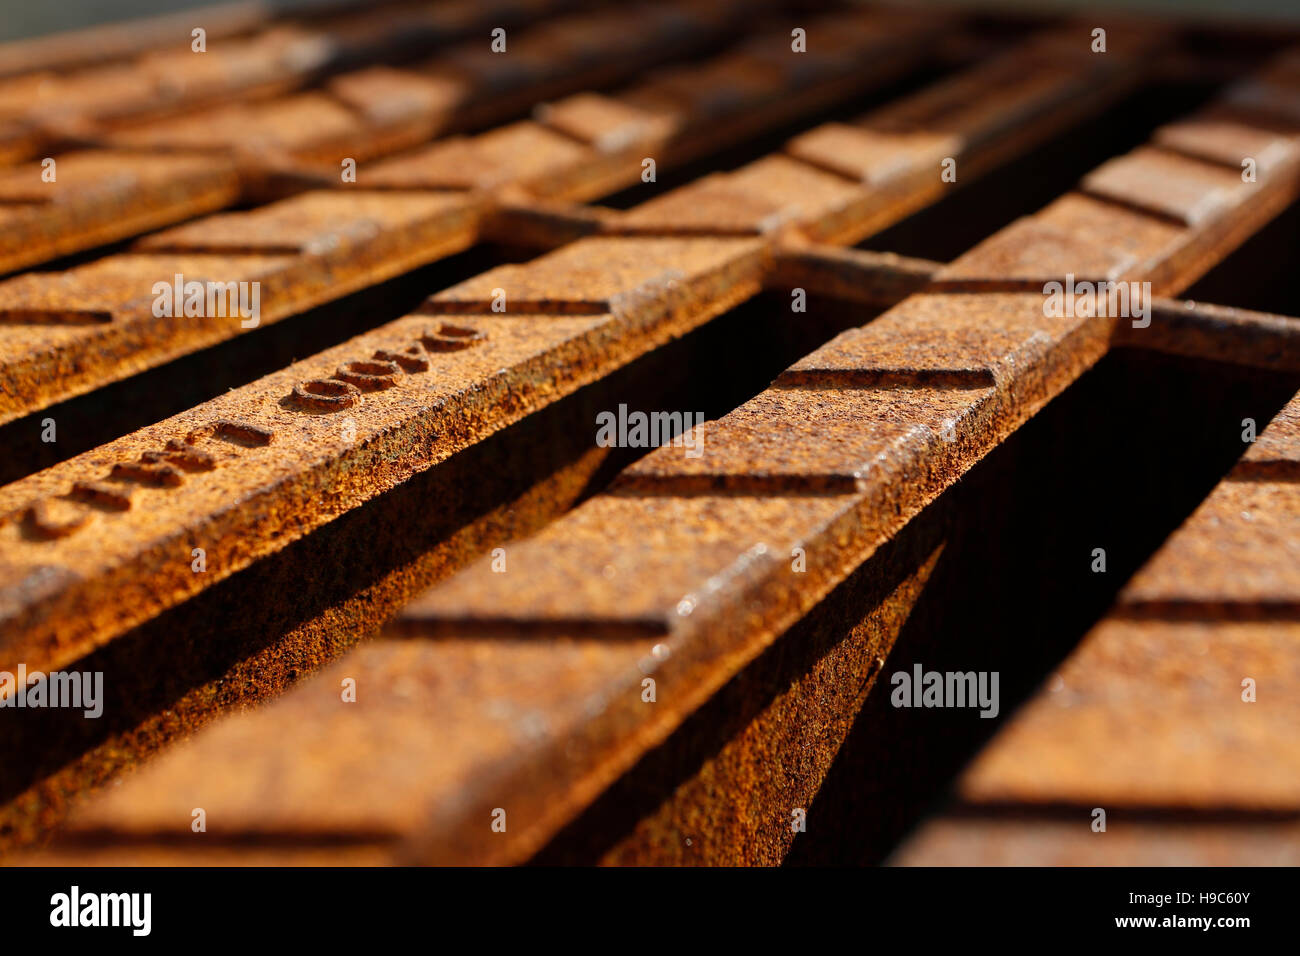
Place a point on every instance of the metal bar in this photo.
(1199, 330)
(461, 174)
(682, 573)
(101, 196)
(107, 194)
(1180, 706)
(87, 103)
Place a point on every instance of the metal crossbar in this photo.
(535, 659)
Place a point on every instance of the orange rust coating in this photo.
(258, 499)
(240, 63)
(992, 372)
(101, 196)
(379, 110)
(993, 840)
(261, 671)
(710, 541)
(1184, 700)
(301, 252)
(348, 239)
(1196, 329)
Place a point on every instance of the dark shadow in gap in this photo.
(1260, 275)
(766, 143)
(982, 206)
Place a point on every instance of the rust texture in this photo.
(1220, 332)
(101, 196)
(115, 41)
(1182, 701)
(639, 289)
(344, 239)
(301, 252)
(379, 110)
(684, 571)
(144, 72)
(851, 275)
(537, 677)
(104, 195)
(317, 467)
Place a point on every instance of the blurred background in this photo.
(21, 18)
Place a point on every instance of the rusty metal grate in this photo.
(491, 637)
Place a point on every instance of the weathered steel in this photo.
(506, 162)
(287, 141)
(645, 280)
(513, 367)
(588, 144)
(381, 110)
(688, 566)
(992, 841)
(1199, 330)
(851, 275)
(102, 196)
(62, 334)
(157, 84)
(1134, 217)
(1183, 701)
(96, 44)
(682, 572)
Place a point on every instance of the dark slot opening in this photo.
(1260, 274)
(985, 204)
(767, 143)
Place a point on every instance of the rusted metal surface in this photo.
(682, 572)
(1251, 525)
(119, 40)
(985, 841)
(1184, 190)
(851, 275)
(402, 422)
(1219, 136)
(163, 82)
(1154, 717)
(101, 196)
(644, 281)
(506, 156)
(506, 163)
(688, 568)
(1149, 213)
(1183, 701)
(542, 224)
(1200, 330)
(357, 115)
(64, 333)
(381, 110)
(585, 145)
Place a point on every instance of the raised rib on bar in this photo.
(681, 572)
(1148, 714)
(500, 160)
